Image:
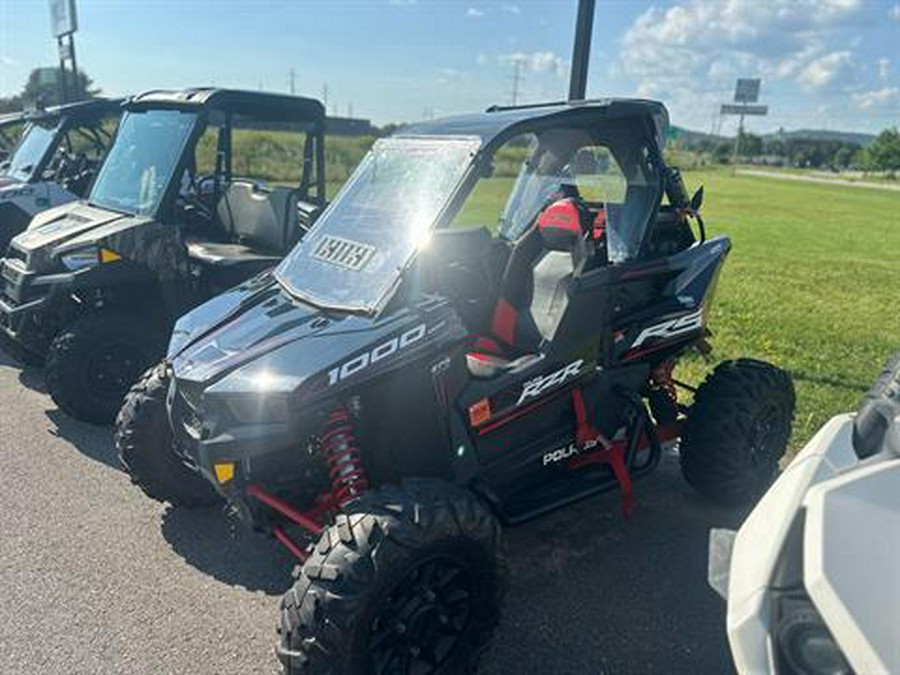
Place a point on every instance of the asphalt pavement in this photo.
(97, 578)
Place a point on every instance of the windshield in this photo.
(142, 160)
(362, 243)
(31, 151)
(610, 168)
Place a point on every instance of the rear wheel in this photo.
(408, 581)
(737, 430)
(145, 444)
(94, 360)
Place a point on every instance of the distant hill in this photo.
(825, 135)
(689, 138)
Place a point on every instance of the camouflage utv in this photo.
(201, 190)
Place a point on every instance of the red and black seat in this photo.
(534, 287)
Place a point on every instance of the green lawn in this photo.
(808, 285)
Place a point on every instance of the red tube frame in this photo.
(285, 509)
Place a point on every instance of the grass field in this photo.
(809, 285)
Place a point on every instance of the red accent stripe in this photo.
(504, 322)
(518, 412)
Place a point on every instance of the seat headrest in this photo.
(560, 225)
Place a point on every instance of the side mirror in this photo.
(697, 200)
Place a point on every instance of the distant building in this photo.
(349, 126)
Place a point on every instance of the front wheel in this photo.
(408, 580)
(144, 440)
(737, 430)
(94, 360)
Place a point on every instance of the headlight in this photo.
(805, 643)
(80, 258)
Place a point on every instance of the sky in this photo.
(831, 64)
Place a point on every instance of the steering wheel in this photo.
(192, 197)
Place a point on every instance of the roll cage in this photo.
(645, 120)
(228, 107)
(84, 117)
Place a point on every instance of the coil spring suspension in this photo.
(348, 477)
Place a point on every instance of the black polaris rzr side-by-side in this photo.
(482, 326)
(54, 159)
(183, 208)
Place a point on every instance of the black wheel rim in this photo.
(421, 622)
(113, 368)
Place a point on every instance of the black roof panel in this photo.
(275, 107)
(497, 124)
(89, 109)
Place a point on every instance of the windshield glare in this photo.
(363, 242)
(31, 151)
(142, 160)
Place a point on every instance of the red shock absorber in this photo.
(348, 477)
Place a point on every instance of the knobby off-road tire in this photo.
(400, 567)
(737, 430)
(144, 441)
(94, 360)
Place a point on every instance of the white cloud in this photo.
(403, 3)
(880, 98)
(691, 52)
(450, 75)
(538, 62)
(511, 8)
(833, 68)
(8, 60)
(481, 59)
(894, 13)
(474, 12)
(884, 68)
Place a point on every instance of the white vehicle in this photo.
(54, 160)
(811, 576)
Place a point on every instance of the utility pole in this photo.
(64, 23)
(516, 79)
(325, 95)
(350, 109)
(581, 51)
(293, 81)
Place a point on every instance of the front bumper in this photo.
(24, 296)
(207, 433)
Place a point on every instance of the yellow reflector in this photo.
(224, 472)
(107, 256)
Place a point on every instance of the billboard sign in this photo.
(734, 109)
(747, 90)
(62, 17)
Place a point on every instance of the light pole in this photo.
(581, 51)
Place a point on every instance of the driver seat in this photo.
(534, 290)
(260, 223)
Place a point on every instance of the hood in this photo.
(258, 338)
(69, 225)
